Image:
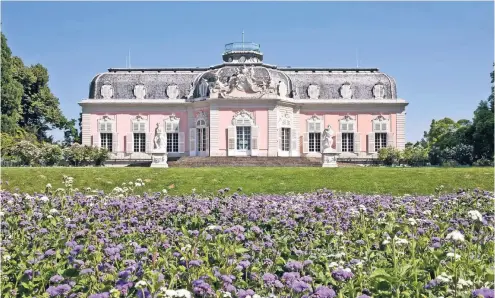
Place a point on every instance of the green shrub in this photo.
(483, 162)
(50, 154)
(27, 152)
(389, 156)
(415, 155)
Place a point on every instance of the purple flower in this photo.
(324, 292)
(49, 252)
(300, 286)
(56, 279)
(244, 264)
(58, 290)
(195, 263)
(86, 271)
(100, 295)
(200, 287)
(342, 275)
(294, 266)
(245, 293)
(483, 293)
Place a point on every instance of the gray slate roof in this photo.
(156, 80)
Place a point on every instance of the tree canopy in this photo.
(28, 105)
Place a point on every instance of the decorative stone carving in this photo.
(295, 93)
(159, 139)
(328, 134)
(347, 118)
(203, 88)
(190, 93)
(139, 91)
(329, 159)
(173, 118)
(159, 159)
(201, 115)
(242, 114)
(314, 91)
(106, 91)
(314, 118)
(281, 89)
(285, 120)
(242, 84)
(346, 91)
(173, 91)
(379, 91)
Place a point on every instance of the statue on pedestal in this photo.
(328, 134)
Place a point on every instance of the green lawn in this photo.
(395, 181)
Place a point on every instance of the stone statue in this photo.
(159, 139)
(328, 134)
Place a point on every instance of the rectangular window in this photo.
(347, 142)
(172, 142)
(314, 142)
(201, 139)
(106, 141)
(139, 142)
(243, 137)
(285, 137)
(380, 141)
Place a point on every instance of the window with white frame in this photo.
(381, 136)
(139, 134)
(175, 138)
(347, 138)
(314, 134)
(106, 136)
(106, 140)
(201, 135)
(242, 135)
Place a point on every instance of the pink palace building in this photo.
(243, 107)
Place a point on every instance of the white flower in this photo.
(2, 213)
(400, 241)
(212, 227)
(6, 257)
(456, 236)
(475, 215)
(444, 277)
(333, 264)
(48, 185)
(10, 202)
(44, 199)
(131, 183)
(138, 184)
(362, 208)
(187, 247)
(412, 221)
(141, 284)
(464, 283)
(254, 296)
(385, 242)
(49, 216)
(339, 233)
(53, 211)
(193, 190)
(226, 295)
(164, 191)
(348, 270)
(427, 212)
(183, 293)
(453, 255)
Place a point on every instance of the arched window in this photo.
(107, 136)
(199, 136)
(381, 136)
(242, 135)
(312, 136)
(348, 139)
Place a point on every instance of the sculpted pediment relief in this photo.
(243, 83)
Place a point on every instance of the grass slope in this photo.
(395, 181)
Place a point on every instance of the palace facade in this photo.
(243, 107)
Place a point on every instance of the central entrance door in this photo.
(284, 141)
(202, 141)
(243, 140)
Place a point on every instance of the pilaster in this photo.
(215, 131)
(272, 132)
(86, 129)
(401, 130)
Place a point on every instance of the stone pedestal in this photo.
(329, 159)
(159, 158)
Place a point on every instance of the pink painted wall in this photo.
(123, 124)
(261, 119)
(364, 123)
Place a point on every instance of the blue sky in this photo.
(440, 53)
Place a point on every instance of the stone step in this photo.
(245, 162)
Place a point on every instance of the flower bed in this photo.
(69, 244)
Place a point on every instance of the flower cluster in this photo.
(320, 244)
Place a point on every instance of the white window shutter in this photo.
(350, 126)
(311, 126)
(280, 139)
(231, 138)
(168, 126)
(135, 126)
(384, 126)
(181, 142)
(254, 140)
(390, 139)
(109, 127)
(192, 141)
(357, 142)
(339, 142)
(343, 126)
(149, 143)
(142, 127)
(207, 129)
(371, 142)
(377, 126)
(317, 127)
(115, 142)
(96, 140)
(102, 126)
(306, 142)
(129, 143)
(294, 136)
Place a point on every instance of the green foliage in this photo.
(483, 162)
(79, 155)
(26, 152)
(50, 154)
(390, 156)
(415, 155)
(27, 101)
